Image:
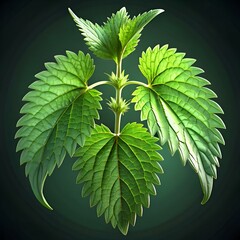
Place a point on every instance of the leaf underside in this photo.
(179, 108)
(116, 38)
(58, 115)
(119, 172)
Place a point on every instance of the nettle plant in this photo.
(119, 169)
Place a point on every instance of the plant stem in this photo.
(99, 83)
(119, 67)
(136, 83)
(118, 113)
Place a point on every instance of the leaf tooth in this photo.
(123, 227)
(157, 167)
(215, 149)
(86, 189)
(73, 55)
(70, 145)
(133, 219)
(100, 209)
(145, 199)
(30, 95)
(218, 135)
(170, 52)
(213, 159)
(196, 70)
(172, 142)
(23, 132)
(27, 108)
(184, 154)
(164, 48)
(60, 58)
(50, 66)
(217, 122)
(188, 62)
(21, 144)
(155, 179)
(151, 188)
(107, 215)
(216, 107)
(179, 57)
(209, 93)
(209, 168)
(41, 76)
(203, 81)
(113, 222)
(156, 48)
(80, 178)
(139, 210)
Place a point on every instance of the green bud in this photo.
(118, 81)
(120, 107)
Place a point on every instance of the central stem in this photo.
(118, 112)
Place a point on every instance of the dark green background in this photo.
(32, 32)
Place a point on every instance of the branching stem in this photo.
(136, 83)
(99, 83)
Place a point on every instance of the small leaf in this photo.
(58, 115)
(177, 105)
(119, 172)
(130, 32)
(118, 37)
(103, 40)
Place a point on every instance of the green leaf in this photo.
(130, 32)
(179, 107)
(58, 115)
(119, 172)
(118, 37)
(103, 40)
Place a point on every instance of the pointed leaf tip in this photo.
(71, 13)
(160, 10)
(44, 202)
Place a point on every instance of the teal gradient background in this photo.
(32, 32)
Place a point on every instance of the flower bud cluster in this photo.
(118, 81)
(118, 107)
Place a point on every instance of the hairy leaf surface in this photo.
(179, 107)
(116, 38)
(58, 115)
(119, 172)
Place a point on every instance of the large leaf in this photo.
(58, 115)
(118, 37)
(178, 107)
(118, 172)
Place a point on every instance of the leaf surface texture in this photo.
(179, 108)
(58, 115)
(119, 172)
(116, 38)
